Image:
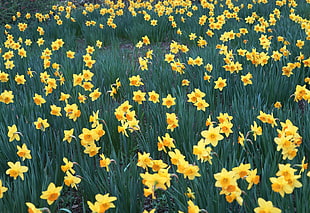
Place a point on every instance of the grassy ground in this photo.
(238, 143)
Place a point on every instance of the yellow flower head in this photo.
(172, 121)
(277, 105)
(71, 180)
(139, 96)
(51, 194)
(4, 77)
(2, 189)
(242, 170)
(95, 94)
(70, 54)
(153, 96)
(20, 79)
(168, 101)
(68, 166)
(252, 178)
(246, 79)
(104, 162)
(220, 83)
(38, 99)
(146, 40)
(32, 208)
(212, 135)
(144, 160)
(91, 149)
(41, 124)
(281, 186)
(257, 130)
(55, 110)
(7, 97)
(23, 152)
(16, 170)
(185, 82)
(135, 81)
(68, 135)
(102, 204)
(176, 157)
(88, 136)
(266, 206)
(64, 97)
(192, 208)
(13, 133)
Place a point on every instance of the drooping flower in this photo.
(252, 178)
(257, 130)
(13, 133)
(71, 180)
(104, 162)
(190, 194)
(68, 166)
(68, 135)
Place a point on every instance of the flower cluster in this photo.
(127, 118)
(288, 140)
(227, 181)
(286, 180)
